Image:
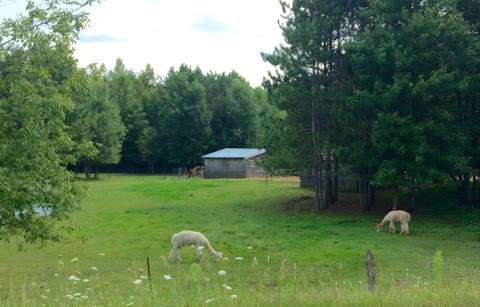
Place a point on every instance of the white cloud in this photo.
(216, 35)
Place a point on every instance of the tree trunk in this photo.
(335, 181)
(316, 154)
(96, 172)
(328, 181)
(412, 189)
(395, 198)
(475, 192)
(318, 192)
(371, 196)
(86, 169)
(323, 202)
(361, 192)
(468, 191)
(366, 199)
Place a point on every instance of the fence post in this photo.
(149, 273)
(370, 270)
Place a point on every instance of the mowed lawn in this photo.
(288, 256)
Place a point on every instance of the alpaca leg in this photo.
(407, 230)
(174, 255)
(198, 252)
(392, 227)
(402, 229)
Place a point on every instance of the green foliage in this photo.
(123, 93)
(36, 65)
(184, 118)
(175, 120)
(414, 135)
(95, 118)
(234, 106)
(389, 87)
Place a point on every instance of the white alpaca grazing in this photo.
(396, 216)
(188, 238)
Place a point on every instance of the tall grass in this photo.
(258, 284)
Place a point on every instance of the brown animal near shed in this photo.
(400, 216)
(195, 172)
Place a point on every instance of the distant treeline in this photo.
(124, 121)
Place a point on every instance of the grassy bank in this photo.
(290, 257)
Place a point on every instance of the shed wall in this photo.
(225, 168)
(253, 169)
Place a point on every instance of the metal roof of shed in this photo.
(235, 153)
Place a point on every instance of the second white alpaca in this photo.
(396, 216)
(188, 238)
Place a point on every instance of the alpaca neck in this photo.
(210, 249)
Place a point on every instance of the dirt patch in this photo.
(302, 203)
(277, 179)
(348, 203)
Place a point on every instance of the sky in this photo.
(215, 35)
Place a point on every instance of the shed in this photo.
(234, 163)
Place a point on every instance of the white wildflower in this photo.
(84, 297)
(167, 277)
(143, 277)
(233, 296)
(200, 248)
(43, 296)
(129, 304)
(227, 287)
(238, 258)
(250, 247)
(77, 294)
(73, 278)
(102, 254)
(73, 260)
(210, 300)
(222, 273)
(86, 280)
(137, 281)
(94, 268)
(69, 296)
(55, 275)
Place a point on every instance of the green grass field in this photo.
(302, 258)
